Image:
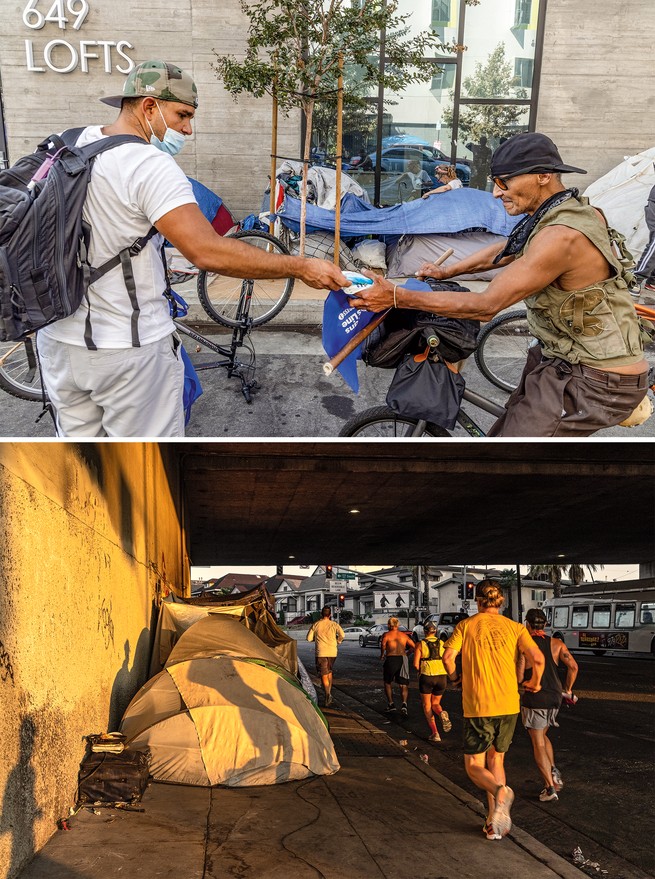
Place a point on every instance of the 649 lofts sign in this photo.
(63, 55)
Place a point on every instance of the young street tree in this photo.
(294, 46)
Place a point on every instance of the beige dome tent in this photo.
(225, 711)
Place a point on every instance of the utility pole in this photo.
(519, 595)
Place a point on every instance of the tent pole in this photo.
(337, 212)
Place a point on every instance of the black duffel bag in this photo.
(113, 778)
(404, 331)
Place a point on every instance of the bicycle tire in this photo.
(384, 423)
(502, 349)
(20, 375)
(220, 296)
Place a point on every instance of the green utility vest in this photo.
(597, 325)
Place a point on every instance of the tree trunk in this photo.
(309, 114)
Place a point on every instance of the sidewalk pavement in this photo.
(386, 813)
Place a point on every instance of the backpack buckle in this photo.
(136, 247)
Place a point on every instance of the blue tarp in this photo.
(444, 213)
(208, 201)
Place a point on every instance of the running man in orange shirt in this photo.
(490, 645)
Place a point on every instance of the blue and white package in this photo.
(357, 282)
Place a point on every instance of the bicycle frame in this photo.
(234, 367)
(463, 418)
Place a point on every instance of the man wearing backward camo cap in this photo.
(113, 368)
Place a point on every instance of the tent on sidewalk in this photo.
(225, 711)
(622, 194)
(251, 608)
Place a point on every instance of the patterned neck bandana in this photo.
(522, 231)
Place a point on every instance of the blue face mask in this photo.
(173, 140)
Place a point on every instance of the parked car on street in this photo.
(445, 622)
(373, 636)
(396, 158)
(354, 633)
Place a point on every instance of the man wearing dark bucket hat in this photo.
(113, 368)
(589, 371)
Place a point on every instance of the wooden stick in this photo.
(349, 347)
(271, 223)
(337, 210)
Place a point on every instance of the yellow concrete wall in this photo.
(596, 95)
(91, 534)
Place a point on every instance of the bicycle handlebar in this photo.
(340, 356)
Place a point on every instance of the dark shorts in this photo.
(396, 668)
(324, 664)
(432, 684)
(558, 398)
(480, 733)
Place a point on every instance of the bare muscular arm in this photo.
(561, 654)
(557, 253)
(188, 230)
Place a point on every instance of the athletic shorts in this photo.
(480, 733)
(432, 684)
(396, 668)
(539, 718)
(324, 664)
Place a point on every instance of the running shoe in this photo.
(548, 794)
(403, 710)
(558, 781)
(489, 832)
(445, 721)
(501, 821)
(390, 708)
(435, 737)
(328, 701)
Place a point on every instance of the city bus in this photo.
(596, 620)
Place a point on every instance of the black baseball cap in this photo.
(526, 153)
(536, 617)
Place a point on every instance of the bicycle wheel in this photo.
(223, 298)
(382, 422)
(503, 349)
(20, 375)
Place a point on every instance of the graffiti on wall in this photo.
(106, 622)
(6, 668)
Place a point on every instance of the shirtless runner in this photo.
(394, 645)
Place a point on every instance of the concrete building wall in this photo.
(230, 152)
(91, 537)
(597, 95)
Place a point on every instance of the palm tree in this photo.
(554, 573)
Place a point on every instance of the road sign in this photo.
(333, 586)
(346, 575)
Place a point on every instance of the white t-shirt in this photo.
(131, 188)
(455, 184)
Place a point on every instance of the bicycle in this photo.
(380, 422)
(503, 346)
(238, 304)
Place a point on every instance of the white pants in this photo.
(117, 392)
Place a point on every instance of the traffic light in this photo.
(470, 590)
(328, 572)
(342, 600)
(461, 591)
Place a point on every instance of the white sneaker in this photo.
(558, 781)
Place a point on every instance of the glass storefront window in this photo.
(475, 100)
(501, 44)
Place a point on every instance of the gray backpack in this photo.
(44, 268)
